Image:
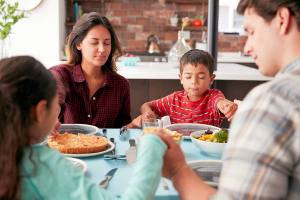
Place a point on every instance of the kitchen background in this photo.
(42, 33)
(135, 20)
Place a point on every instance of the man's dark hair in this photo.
(267, 8)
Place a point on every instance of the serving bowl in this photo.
(211, 148)
(187, 128)
(78, 128)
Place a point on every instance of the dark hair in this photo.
(195, 57)
(24, 82)
(84, 24)
(267, 9)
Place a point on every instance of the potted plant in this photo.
(9, 15)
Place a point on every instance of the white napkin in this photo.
(165, 121)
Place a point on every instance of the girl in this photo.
(28, 170)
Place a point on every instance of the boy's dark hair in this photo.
(195, 57)
(83, 25)
(267, 8)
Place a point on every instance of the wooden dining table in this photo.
(97, 166)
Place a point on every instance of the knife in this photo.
(108, 176)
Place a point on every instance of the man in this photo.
(262, 157)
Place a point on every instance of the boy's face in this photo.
(262, 43)
(196, 80)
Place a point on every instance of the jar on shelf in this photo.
(5, 47)
(178, 49)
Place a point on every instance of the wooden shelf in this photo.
(189, 28)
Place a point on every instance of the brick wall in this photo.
(231, 43)
(135, 20)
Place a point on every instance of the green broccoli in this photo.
(221, 136)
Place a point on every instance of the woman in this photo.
(90, 90)
(28, 112)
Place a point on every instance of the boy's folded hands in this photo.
(228, 108)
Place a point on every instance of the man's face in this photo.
(262, 43)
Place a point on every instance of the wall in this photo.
(40, 34)
(135, 20)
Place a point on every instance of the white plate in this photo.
(78, 163)
(187, 128)
(78, 128)
(112, 146)
(208, 170)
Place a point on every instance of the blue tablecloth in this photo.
(97, 166)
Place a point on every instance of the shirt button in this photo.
(94, 98)
(89, 116)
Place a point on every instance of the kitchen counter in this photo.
(233, 57)
(169, 71)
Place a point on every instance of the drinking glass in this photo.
(149, 125)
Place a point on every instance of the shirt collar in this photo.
(291, 67)
(78, 76)
(185, 95)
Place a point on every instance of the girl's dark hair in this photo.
(267, 9)
(24, 82)
(195, 57)
(84, 24)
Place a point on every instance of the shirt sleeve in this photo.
(162, 106)
(147, 171)
(260, 153)
(145, 178)
(216, 95)
(62, 87)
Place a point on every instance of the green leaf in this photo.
(9, 15)
(221, 136)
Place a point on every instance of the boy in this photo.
(261, 159)
(196, 103)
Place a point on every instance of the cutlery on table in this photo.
(113, 152)
(108, 176)
(124, 133)
(116, 157)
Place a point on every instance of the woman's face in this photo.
(96, 46)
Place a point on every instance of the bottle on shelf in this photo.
(178, 49)
(203, 44)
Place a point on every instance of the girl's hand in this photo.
(56, 128)
(228, 108)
